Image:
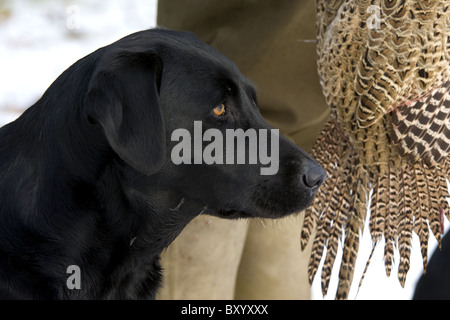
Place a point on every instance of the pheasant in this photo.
(384, 68)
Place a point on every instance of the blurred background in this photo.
(39, 39)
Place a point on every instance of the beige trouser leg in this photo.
(266, 40)
(202, 263)
(272, 264)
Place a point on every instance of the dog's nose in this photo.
(314, 176)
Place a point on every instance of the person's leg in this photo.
(272, 43)
(202, 263)
(273, 267)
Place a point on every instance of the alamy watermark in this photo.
(74, 280)
(374, 21)
(230, 148)
(73, 21)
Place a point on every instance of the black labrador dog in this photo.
(90, 194)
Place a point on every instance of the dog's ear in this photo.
(123, 97)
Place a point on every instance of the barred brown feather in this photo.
(405, 223)
(385, 73)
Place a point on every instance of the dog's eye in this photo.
(219, 110)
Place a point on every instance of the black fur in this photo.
(86, 177)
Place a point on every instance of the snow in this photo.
(40, 39)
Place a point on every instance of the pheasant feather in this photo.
(384, 67)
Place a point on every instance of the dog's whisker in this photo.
(209, 221)
(262, 222)
(177, 208)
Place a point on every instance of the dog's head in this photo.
(174, 108)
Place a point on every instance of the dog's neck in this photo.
(120, 213)
(151, 223)
(166, 213)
